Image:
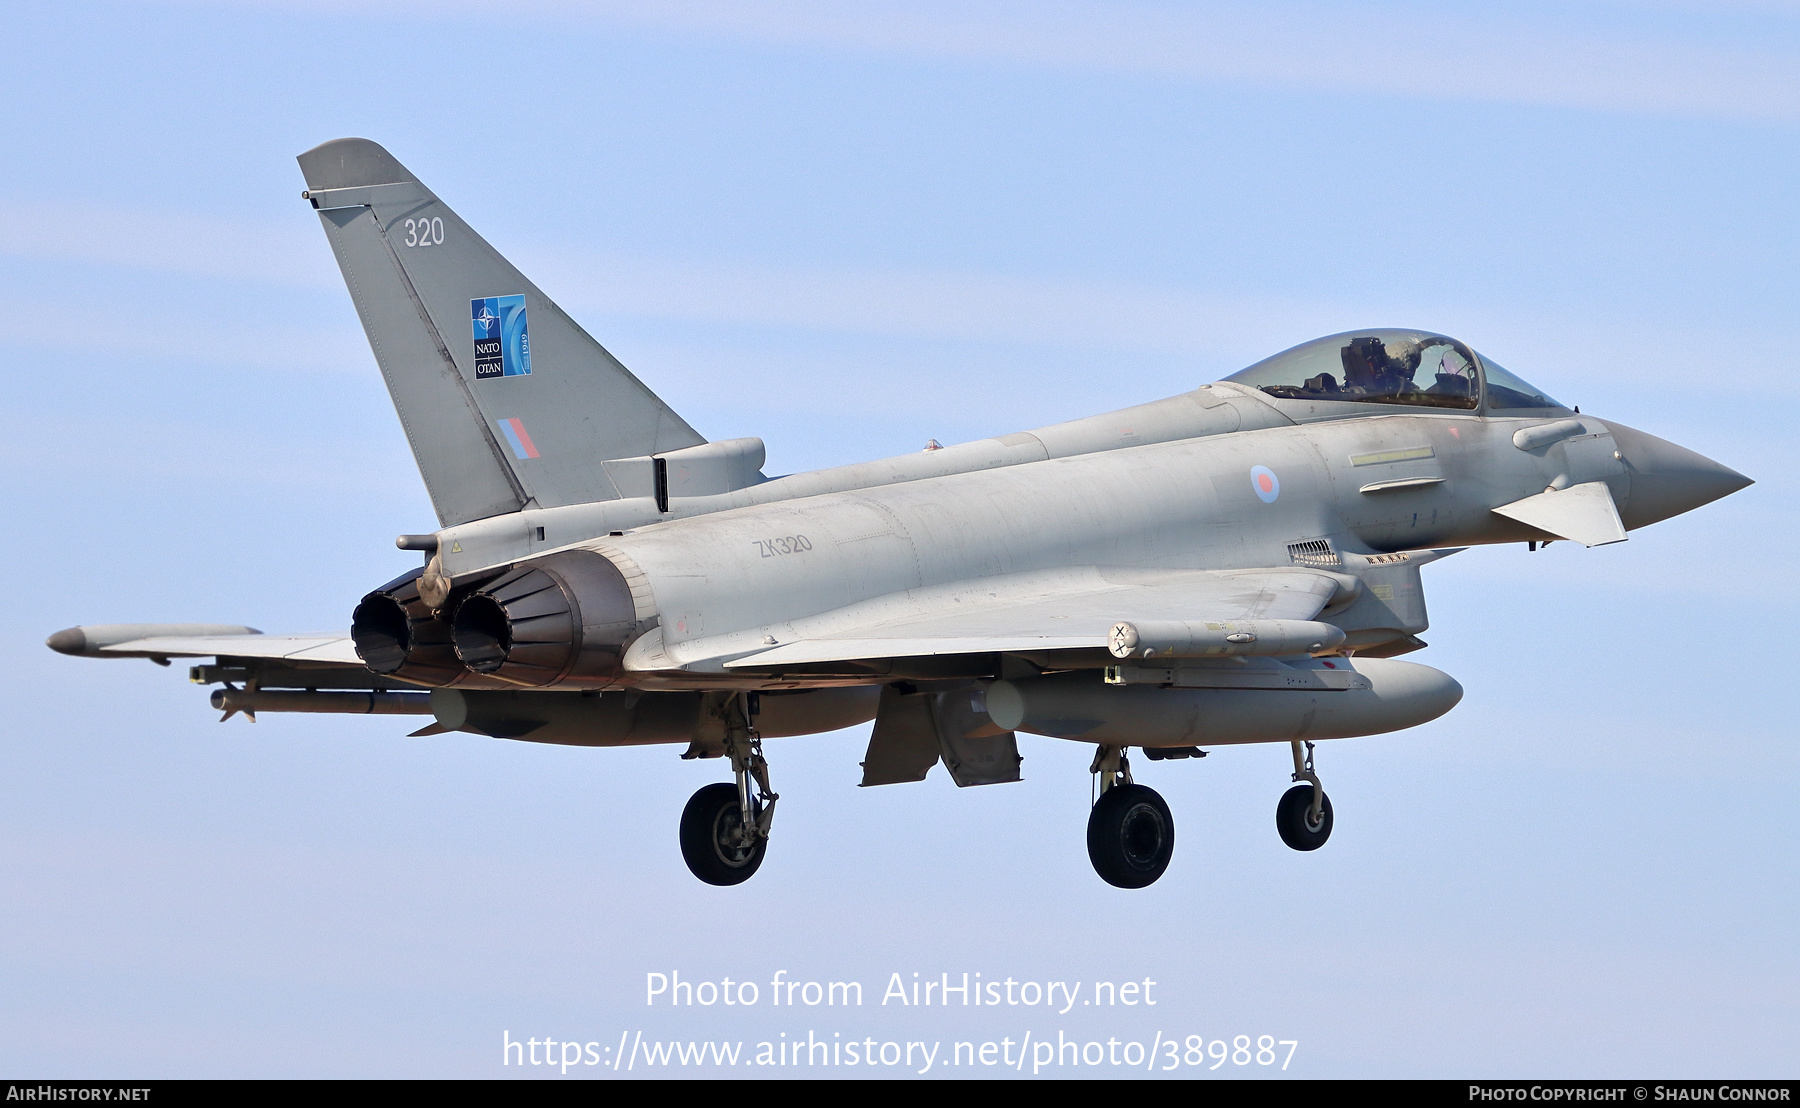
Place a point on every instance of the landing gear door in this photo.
(913, 730)
(903, 746)
(975, 749)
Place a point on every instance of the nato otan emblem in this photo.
(1266, 484)
(502, 345)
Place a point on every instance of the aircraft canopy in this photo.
(1413, 368)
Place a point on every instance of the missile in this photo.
(1218, 638)
(250, 702)
(630, 718)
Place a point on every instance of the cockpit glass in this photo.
(1507, 391)
(1371, 367)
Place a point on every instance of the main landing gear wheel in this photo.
(725, 828)
(716, 845)
(1294, 818)
(1131, 836)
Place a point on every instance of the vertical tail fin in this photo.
(507, 403)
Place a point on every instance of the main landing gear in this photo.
(725, 827)
(1131, 835)
(1304, 815)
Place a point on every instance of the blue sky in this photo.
(848, 228)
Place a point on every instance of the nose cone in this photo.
(1667, 480)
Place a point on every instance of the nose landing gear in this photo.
(1304, 814)
(1131, 835)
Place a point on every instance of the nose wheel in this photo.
(1130, 834)
(1304, 814)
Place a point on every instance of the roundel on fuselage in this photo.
(1266, 484)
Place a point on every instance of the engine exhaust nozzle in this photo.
(561, 619)
(399, 633)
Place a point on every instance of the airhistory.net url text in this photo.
(1161, 1054)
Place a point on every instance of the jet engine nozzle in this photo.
(398, 634)
(561, 619)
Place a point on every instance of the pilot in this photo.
(1403, 358)
(1372, 371)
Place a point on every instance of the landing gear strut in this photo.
(725, 828)
(1304, 815)
(1131, 835)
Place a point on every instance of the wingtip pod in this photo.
(70, 640)
(102, 639)
(351, 163)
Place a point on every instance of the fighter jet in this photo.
(1236, 564)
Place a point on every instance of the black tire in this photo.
(709, 825)
(1131, 836)
(1290, 819)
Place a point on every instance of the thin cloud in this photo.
(919, 304)
(163, 241)
(1027, 312)
(1386, 50)
(1619, 59)
(915, 303)
(130, 329)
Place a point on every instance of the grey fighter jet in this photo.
(1237, 564)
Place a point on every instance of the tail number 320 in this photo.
(425, 232)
